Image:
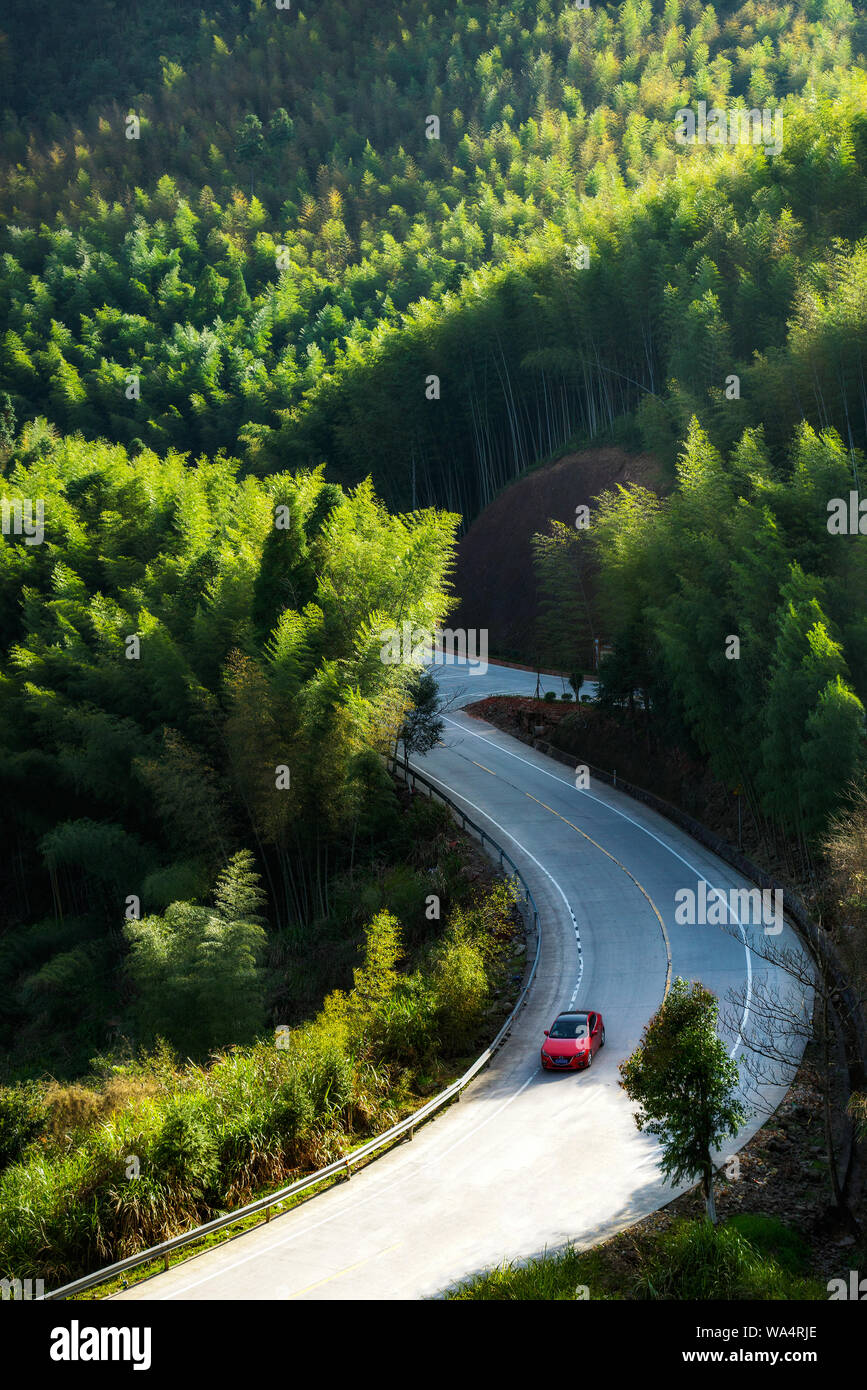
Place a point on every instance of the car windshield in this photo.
(570, 1026)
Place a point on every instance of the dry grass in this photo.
(73, 1108)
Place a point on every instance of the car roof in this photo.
(574, 1013)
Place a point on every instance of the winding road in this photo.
(527, 1160)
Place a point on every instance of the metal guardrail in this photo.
(405, 1127)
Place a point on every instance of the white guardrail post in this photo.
(405, 1127)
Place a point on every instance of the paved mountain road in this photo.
(526, 1160)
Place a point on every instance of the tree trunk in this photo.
(709, 1194)
(836, 1194)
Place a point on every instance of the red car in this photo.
(572, 1040)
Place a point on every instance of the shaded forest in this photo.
(283, 265)
(358, 268)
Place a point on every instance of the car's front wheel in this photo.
(589, 1061)
(602, 1039)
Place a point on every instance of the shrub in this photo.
(206, 1138)
(23, 1116)
(488, 921)
(198, 971)
(401, 891)
(406, 1022)
(695, 1260)
(374, 981)
(322, 1070)
(185, 1154)
(460, 991)
(427, 826)
(549, 696)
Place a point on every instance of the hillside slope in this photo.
(357, 235)
(494, 574)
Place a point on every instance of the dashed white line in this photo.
(607, 804)
(524, 850)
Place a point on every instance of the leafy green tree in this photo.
(685, 1085)
(236, 300)
(238, 896)
(421, 318)
(814, 719)
(198, 974)
(7, 423)
(371, 793)
(565, 618)
(208, 296)
(250, 143)
(281, 131)
(422, 727)
(460, 990)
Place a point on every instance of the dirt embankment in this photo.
(614, 742)
(622, 746)
(494, 576)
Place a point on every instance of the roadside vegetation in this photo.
(685, 1086)
(284, 297)
(747, 1258)
(146, 1145)
(190, 667)
(736, 612)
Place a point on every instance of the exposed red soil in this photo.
(494, 574)
(618, 743)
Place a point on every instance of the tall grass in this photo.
(697, 1260)
(747, 1258)
(152, 1147)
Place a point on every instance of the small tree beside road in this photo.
(685, 1083)
(422, 726)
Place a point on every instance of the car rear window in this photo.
(570, 1026)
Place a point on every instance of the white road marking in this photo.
(692, 868)
(524, 850)
(362, 1201)
(403, 1177)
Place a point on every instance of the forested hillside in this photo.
(191, 666)
(742, 620)
(289, 295)
(282, 260)
(425, 248)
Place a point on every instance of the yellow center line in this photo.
(614, 860)
(482, 766)
(340, 1272)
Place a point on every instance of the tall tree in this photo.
(566, 626)
(685, 1085)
